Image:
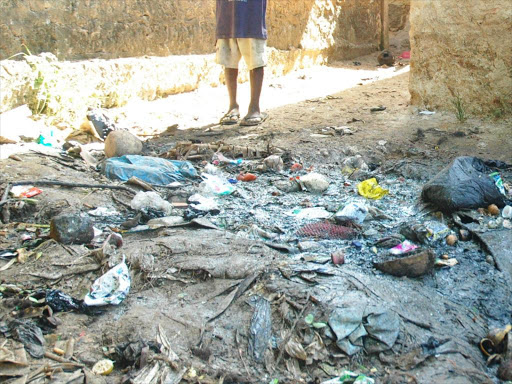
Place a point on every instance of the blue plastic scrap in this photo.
(152, 170)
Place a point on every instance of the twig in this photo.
(240, 353)
(73, 185)
(290, 334)
(6, 194)
(55, 357)
(119, 201)
(179, 321)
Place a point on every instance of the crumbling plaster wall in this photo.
(462, 50)
(153, 48)
(94, 29)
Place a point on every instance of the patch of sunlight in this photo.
(206, 105)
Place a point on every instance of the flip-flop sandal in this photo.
(229, 119)
(252, 121)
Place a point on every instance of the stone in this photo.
(315, 182)
(451, 240)
(120, 143)
(72, 228)
(274, 162)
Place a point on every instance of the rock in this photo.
(451, 240)
(413, 264)
(315, 182)
(274, 162)
(507, 212)
(465, 235)
(308, 246)
(120, 143)
(287, 185)
(386, 58)
(493, 210)
(72, 228)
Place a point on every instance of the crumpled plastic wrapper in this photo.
(111, 288)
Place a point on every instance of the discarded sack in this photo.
(464, 184)
(111, 288)
(152, 170)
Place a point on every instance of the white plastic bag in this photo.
(111, 288)
(151, 200)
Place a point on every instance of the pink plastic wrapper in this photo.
(405, 55)
(402, 248)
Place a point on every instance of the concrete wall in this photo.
(462, 50)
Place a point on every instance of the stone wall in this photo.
(462, 51)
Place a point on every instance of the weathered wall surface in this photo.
(462, 51)
(85, 29)
(339, 28)
(153, 48)
(398, 14)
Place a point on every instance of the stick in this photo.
(73, 185)
(285, 341)
(55, 357)
(6, 193)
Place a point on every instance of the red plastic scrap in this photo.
(327, 230)
(31, 192)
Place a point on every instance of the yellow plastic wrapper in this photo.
(371, 189)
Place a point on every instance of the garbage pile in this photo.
(319, 219)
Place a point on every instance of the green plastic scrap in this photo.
(275, 381)
(348, 377)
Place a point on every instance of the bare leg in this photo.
(256, 77)
(231, 83)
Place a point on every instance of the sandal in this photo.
(230, 118)
(252, 121)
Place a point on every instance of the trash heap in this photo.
(324, 222)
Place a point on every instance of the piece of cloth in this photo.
(230, 51)
(241, 19)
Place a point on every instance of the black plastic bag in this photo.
(30, 335)
(465, 184)
(62, 302)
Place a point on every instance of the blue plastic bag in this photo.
(152, 170)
